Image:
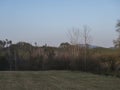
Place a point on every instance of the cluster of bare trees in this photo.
(80, 48)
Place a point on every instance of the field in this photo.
(56, 80)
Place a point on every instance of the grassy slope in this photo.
(56, 80)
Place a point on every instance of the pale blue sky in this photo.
(48, 21)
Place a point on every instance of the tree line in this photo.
(68, 56)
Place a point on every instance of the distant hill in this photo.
(66, 44)
(90, 46)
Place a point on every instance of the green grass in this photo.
(56, 80)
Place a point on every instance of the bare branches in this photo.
(74, 35)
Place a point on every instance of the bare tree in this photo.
(117, 41)
(80, 43)
(86, 39)
(74, 36)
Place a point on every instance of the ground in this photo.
(56, 80)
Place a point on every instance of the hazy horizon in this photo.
(48, 21)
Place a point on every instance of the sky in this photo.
(49, 21)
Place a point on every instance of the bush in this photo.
(4, 64)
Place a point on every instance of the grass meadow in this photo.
(56, 80)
